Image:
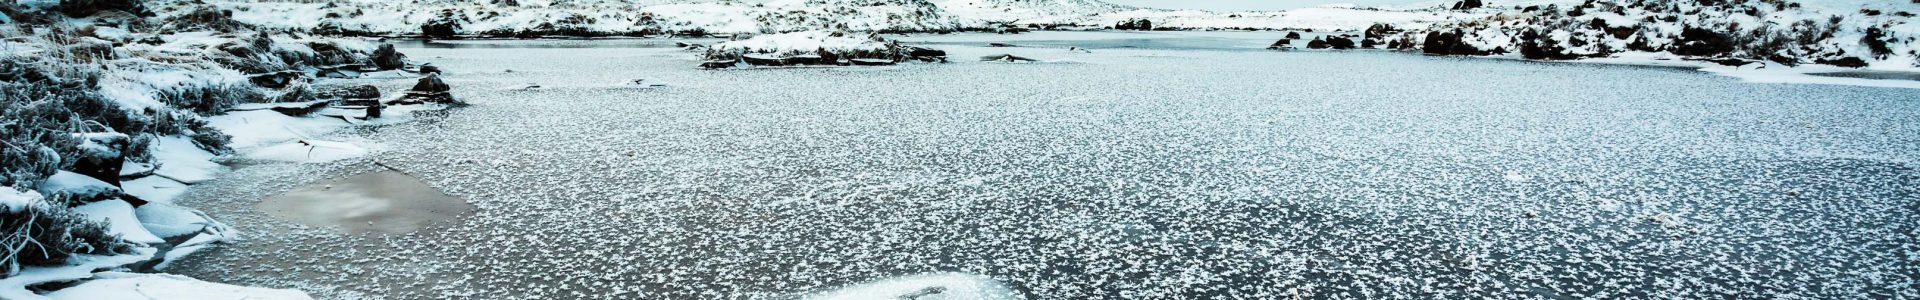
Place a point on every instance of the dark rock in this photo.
(386, 58)
(429, 69)
(84, 8)
(1293, 35)
(431, 84)
(446, 25)
(1282, 44)
(1134, 24)
(276, 80)
(104, 155)
(1695, 41)
(1318, 43)
(429, 90)
(1380, 31)
(1369, 43)
(1448, 43)
(348, 93)
(1467, 4)
(1340, 43)
(1849, 62)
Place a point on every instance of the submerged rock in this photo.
(1006, 58)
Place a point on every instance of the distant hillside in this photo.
(534, 18)
(1847, 33)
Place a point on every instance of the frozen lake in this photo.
(1195, 166)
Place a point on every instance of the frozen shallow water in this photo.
(1122, 173)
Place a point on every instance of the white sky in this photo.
(1250, 4)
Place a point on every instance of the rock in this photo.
(1695, 41)
(1134, 24)
(1318, 43)
(1281, 44)
(429, 69)
(1380, 31)
(386, 58)
(1341, 43)
(1369, 43)
(446, 25)
(1467, 4)
(276, 80)
(1006, 58)
(1293, 35)
(84, 8)
(431, 84)
(348, 93)
(430, 89)
(1448, 43)
(1849, 62)
(101, 156)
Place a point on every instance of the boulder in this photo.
(386, 58)
(430, 89)
(1293, 35)
(1340, 43)
(1318, 43)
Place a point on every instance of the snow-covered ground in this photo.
(1144, 172)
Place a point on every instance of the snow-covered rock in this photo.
(120, 220)
(70, 187)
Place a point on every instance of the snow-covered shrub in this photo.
(36, 233)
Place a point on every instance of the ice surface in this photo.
(1145, 173)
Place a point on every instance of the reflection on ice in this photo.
(383, 202)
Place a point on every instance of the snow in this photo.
(182, 161)
(121, 285)
(949, 286)
(79, 267)
(168, 220)
(265, 128)
(309, 151)
(804, 42)
(70, 185)
(120, 220)
(12, 200)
